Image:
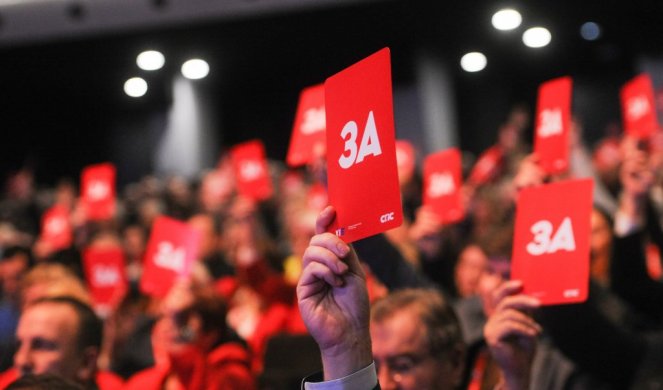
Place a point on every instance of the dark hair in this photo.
(43, 382)
(17, 250)
(431, 308)
(90, 327)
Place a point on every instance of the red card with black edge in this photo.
(171, 250)
(56, 229)
(442, 184)
(551, 241)
(553, 125)
(308, 142)
(105, 275)
(638, 107)
(98, 191)
(361, 152)
(251, 171)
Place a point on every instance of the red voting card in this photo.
(442, 184)
(553, 124)
(105, 275)
(56, 227)
(487, 166)
(551, 242)
(98, 191)
(361, 151)
(638, 108)
(307, 142)
(251, 172)
(171, 250)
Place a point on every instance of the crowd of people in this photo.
(273, 298)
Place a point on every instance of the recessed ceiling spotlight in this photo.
(536, 37)
(590, 31)
(150, 60)
(135, 87)
(473, 62)
(506, 19)
(195, 69)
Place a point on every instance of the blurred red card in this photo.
(442, 184)
(98, 191)
(307, 142)
(251, 171)
(638, 109)
(171, 250)
(56, 229)
(361, 151)
(487, 166)
(105, 275)
(551, 241)
(553, 124)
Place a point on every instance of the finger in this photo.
(313, 274)
(509, 287)
(332, 243)
(519, 302)
(324, 256)
(325, 218)
(512, 315)
(514, 329)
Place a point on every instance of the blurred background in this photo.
(64, 65)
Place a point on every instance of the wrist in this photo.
(342, 360)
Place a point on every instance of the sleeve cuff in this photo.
(366, 378)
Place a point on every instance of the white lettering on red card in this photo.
(98, 190)
(169, 257)
(105, 276)
(251, 170)
(545, 241)
(370, 143)
(551, 122)
(314, 120)
(637, 107)
(441, 184)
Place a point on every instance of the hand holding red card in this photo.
(171, 250)
(442, 185)
(638, 107)
(307, 142)
(98, 191)
(105, 275)
(251, 171)
(553, 125)
(551, 241)
(361, 155)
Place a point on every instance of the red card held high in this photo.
(442, 184)
(171, 250)
(98, 191)
(307, 142)
(56, 229)
(361, 151)
(551, 241)
(553, 124)
(105, 275)
(638, 108)
(251, 172)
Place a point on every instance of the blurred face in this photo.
(205, 225)
(601, 237)
(471, 265)
(11, 272)
(403, 358)
(47, 342)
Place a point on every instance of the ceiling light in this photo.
(536, 37)
(590, 31)
(506, 19)
(150, 60)
(473, 62)
(135, 87)
(195, 69)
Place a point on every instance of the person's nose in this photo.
(23, 360)
(387, 379)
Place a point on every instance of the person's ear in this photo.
(88, 366)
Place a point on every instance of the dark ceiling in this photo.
(62, 96)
